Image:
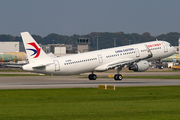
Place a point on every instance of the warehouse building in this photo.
(11, 47)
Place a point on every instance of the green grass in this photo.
(130, 71)
(163, 71)
(126, 103)
(155, 77)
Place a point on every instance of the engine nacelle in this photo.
(140, 66)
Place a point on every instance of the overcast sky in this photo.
(68, 17)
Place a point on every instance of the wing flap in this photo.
(114, 64)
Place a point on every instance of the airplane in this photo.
(134, 56)
(8, 58)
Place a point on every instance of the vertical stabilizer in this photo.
(33, 51)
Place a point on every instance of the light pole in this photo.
(97, 42)
(114, 42)
(53, 41)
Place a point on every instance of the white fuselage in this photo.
(90, 61)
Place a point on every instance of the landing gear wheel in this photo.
(92, 77)
(115, 77)
(118, 77)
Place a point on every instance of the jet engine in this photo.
(140, 66)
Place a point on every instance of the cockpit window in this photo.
(170, 45)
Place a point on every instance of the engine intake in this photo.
(140, 66)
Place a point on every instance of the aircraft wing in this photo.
(118, 63)
(122, 62)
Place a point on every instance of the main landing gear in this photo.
(92, 76)
(118, 76)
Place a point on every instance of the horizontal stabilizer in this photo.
(38, 66)
(15, 66)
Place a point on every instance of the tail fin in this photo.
(33, 51)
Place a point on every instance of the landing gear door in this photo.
(165, 47)
(57, 67)
(100, 58)
(137, 52)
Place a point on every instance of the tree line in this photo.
(105, 39)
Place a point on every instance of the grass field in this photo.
(155, 77)
(127, 103)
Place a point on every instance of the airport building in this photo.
(63, 49)
(57, 49)
(83, 44)
(11, 47)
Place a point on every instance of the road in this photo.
(33, 82)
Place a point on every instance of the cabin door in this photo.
(100, 58)
(137, 52)
(165, 47)
(57, 66)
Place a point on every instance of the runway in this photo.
(35, 82)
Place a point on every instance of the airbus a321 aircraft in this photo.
(135, 57)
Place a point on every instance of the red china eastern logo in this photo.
(36, 50)
(154, 45)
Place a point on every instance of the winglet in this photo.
(33, 51)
